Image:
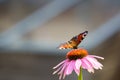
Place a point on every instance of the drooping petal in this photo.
(78, 63)
(98, 64)
(62, 70)
(77, 71)
(96, 56)
(86, 64)
(59, 64)
(94, 62)
(69, 68)
(84, 61)
(58, 69)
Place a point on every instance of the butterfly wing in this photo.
(74, 42)
(66, 45)
(80, 37)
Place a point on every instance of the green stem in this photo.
(80, 76)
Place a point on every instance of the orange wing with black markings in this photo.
(74, 42)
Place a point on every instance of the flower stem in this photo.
(80, 76)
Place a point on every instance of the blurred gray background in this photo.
(31, 31)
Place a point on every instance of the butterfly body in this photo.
(74, 42)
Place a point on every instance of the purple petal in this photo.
(60, 64)
(96, 56)
(99, 65)
(86, 64)
(69, 68)
(78, 64)
(63, 69)
(58, 69)
(94, 62)
(77, 71)
(84, 61)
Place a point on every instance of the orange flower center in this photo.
(76, 54)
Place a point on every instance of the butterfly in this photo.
(74, 42)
